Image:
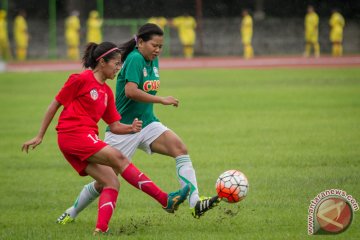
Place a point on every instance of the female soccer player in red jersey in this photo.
(86, 98)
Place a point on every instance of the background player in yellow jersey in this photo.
(72, 35)
(21, 35)
(94, 24)
(5, 52)
(160, 21)
(312, 32)
(337, 24)
(246, 30)
(186, 26)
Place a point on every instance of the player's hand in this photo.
(136, 125)
(31, 143)
(170, 101)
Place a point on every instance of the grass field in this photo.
(293, 132)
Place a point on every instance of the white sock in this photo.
(87, 195)
(186, 175)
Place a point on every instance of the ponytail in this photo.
(127, 48)
(94, 52)
(88, 58)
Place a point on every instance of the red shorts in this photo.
(77, 147)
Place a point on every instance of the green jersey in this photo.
(146, 75)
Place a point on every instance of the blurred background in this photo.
(278, 25)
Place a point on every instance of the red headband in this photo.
(106, 53)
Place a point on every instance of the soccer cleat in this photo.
(176, 198)
(98, 231)
(203, 205)
(64, 219)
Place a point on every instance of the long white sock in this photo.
(186, 175)
(87, 195)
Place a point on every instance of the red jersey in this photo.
(85, 102)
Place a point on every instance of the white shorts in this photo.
(128, 143)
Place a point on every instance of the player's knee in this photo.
(180, 149)
(114, 182)
(98, 186)
(120, 161)
(110, 180)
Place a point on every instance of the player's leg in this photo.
(334, 50)
(69, 52)
(5, 52)
(307, 49)
(316, 49)
(107, 177)
(189, 51)
(107, 202)
(73, 50)
(127, 145)
(74, 53)
(337, 49)
(168, 143)
(248, 51)
(87, 195)
(21, 53)
(339, 39)
(340, 49)
(121, 165)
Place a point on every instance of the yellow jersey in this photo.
(246, 29)
(160, 21)
(186, 26)
(94, 30)
(337, 23)
(21, 31)
(72, 28)
(311, 27)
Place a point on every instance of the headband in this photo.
(106, 53)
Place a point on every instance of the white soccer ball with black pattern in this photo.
(232, 186)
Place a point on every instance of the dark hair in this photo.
(145, 32)
(93, 51)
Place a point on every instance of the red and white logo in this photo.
(331, 212)
(334, 214)
(94, 94)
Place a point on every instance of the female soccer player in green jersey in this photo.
(137, 85)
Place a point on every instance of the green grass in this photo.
(293, 132)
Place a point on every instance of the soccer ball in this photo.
(232, 186)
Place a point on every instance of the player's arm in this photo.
(49, 115)
(132, 92)
(120, 128)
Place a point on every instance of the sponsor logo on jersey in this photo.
(156, 71)
(94, 94)
(151, 85)
(145, 72)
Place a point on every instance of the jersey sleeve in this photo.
(111, 114)
(70, 90)
(134, 70)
